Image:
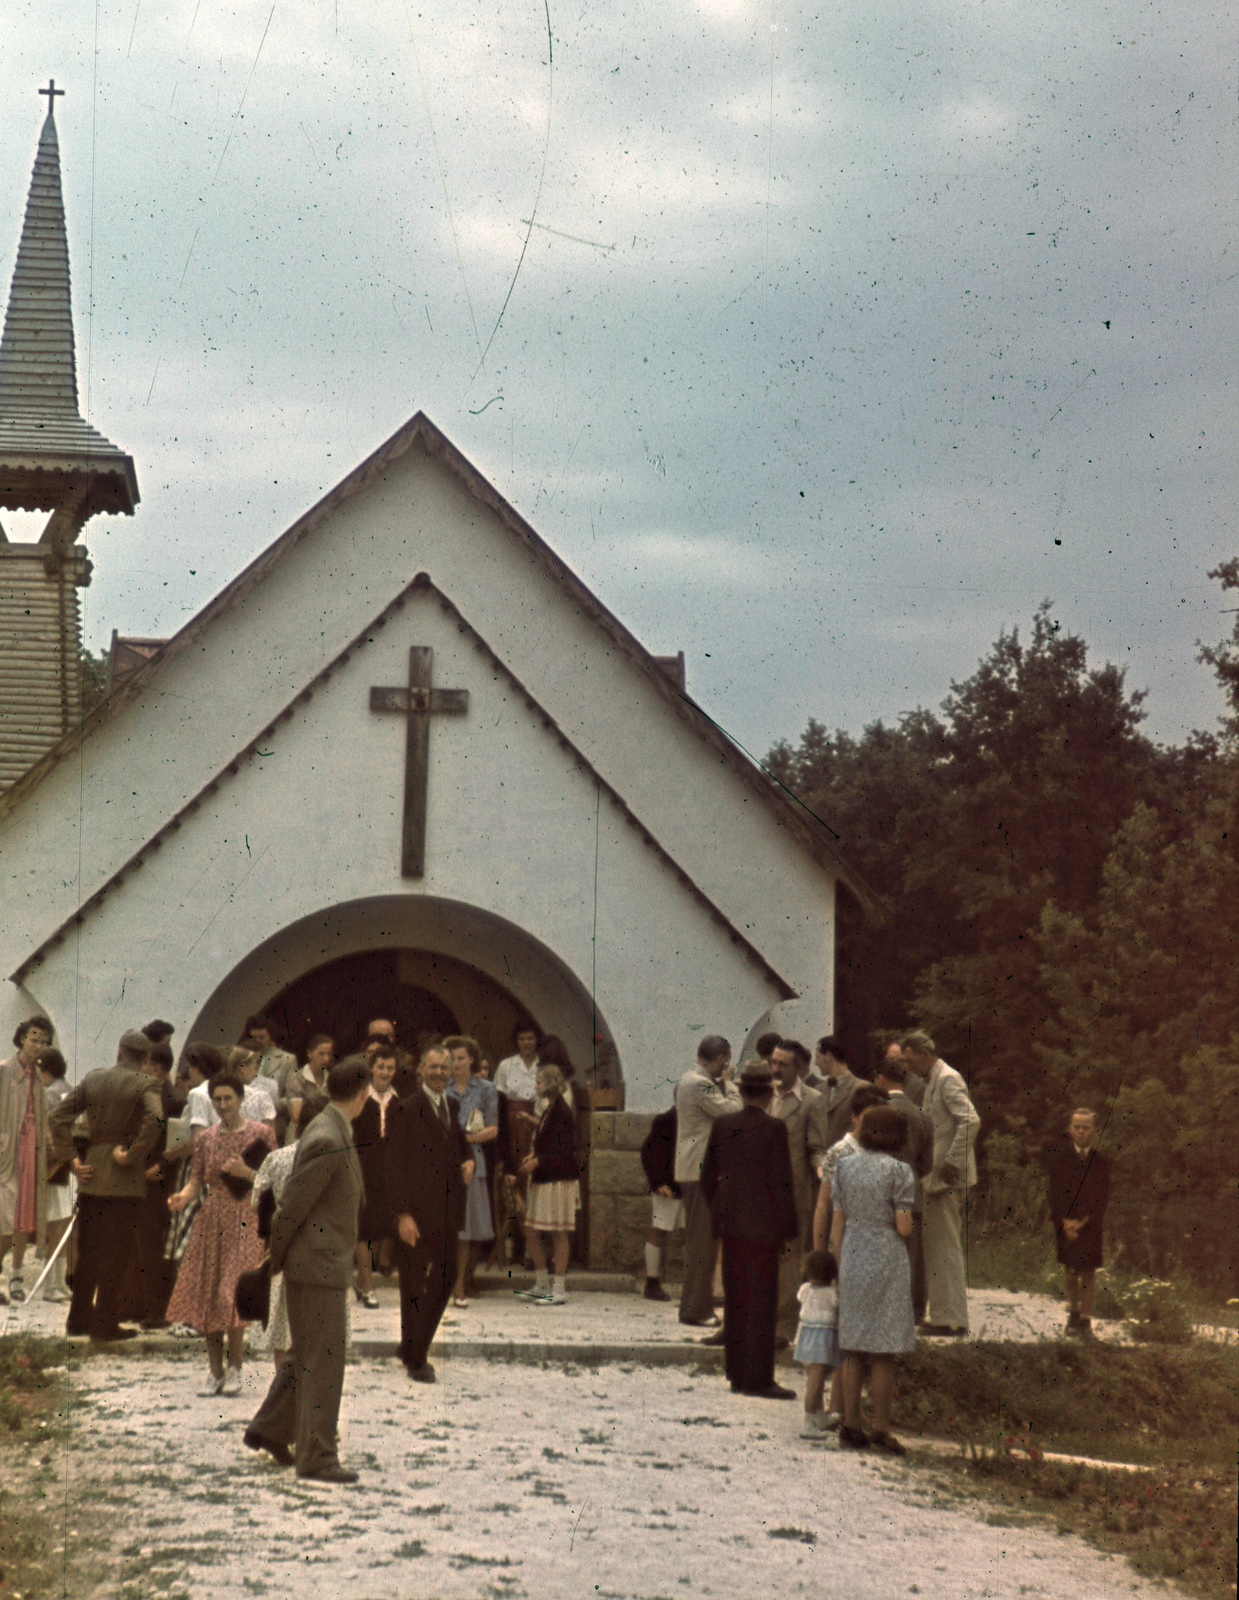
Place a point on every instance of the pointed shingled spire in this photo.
(51, 459)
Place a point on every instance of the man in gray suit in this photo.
(802, 1111)
(313, 1239)
(839, 1087)
(955, 1122)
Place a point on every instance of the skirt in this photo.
(817, 1346)
(478, 1225)
(553, 1206)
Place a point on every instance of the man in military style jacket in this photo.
(313, 1239)
(125, 1118)
(746, 1179)
(428, 1170)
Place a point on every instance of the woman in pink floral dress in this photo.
(224, 1242)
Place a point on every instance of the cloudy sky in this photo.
(824, 342)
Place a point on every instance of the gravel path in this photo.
(512, 1480)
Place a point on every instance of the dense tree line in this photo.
(1064, 919)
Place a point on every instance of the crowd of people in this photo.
(836, 1202)
(843, 1200)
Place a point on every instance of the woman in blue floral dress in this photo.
(873, 1195)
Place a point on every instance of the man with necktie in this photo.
(429, 1169)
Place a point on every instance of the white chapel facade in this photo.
(407, 758)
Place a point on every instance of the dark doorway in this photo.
(419, 991)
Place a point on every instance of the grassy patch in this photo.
(1156, 1404)
(1173, 1523)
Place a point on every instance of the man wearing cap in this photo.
(125, 1118)
(746, 1179)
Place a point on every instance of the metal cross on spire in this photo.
(51, 92)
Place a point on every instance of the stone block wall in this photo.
(619, 1197)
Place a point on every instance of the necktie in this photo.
(445, 1116)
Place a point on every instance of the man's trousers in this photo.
(107, 1240)
(945, 1272)
(427, 1273)
(302, 1407)
(750, 1290)
(697, 1295)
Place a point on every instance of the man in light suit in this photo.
(802, 1111)
(429, 1168)
(125, 1118)
(954, 1172)
(704, 1093)
(313, 1239)
(746, 1179)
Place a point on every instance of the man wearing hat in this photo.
(747, 1181)
(125, 1118)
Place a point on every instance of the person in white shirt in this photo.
(517, 1075)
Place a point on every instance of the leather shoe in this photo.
(423, 1374)
(772, 1391)
(716, 1339)
(280, 1453)
(336, 1474)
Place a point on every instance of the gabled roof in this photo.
(50, 457)
(811, 833)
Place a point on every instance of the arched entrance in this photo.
(420, 957)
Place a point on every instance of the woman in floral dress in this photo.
(224, 1242)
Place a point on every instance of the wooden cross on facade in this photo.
(417, 704)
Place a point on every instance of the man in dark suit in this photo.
(313, 1239)
(125, 1118)
(428, 1171)
(918, 1151)
(747, 1182)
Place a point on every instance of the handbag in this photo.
(253, 1294)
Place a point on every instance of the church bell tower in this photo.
(51, 460)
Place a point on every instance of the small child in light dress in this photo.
(817, 1340)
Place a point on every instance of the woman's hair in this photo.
(551, 1078)
(552, 1053)
(462, 1041)
(882, 1129)
(239, 1057)
(203, 1057)
(820, 1267)
(312, 1102)
(52, 1062)
(226, 1080)
(866, 1096)
(526, 1025)
(318, 1038)
(23, 1028)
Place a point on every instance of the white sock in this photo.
(558, 1285)
(653, 1261)
(541, 1282)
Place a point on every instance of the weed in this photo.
(800, 1535)
(410, 1550)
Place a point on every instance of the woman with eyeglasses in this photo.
(224, 1242)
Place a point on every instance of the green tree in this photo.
(94, 680)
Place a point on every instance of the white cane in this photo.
(51, 1260)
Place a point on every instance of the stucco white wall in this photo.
(515, 827)
(344, 781)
